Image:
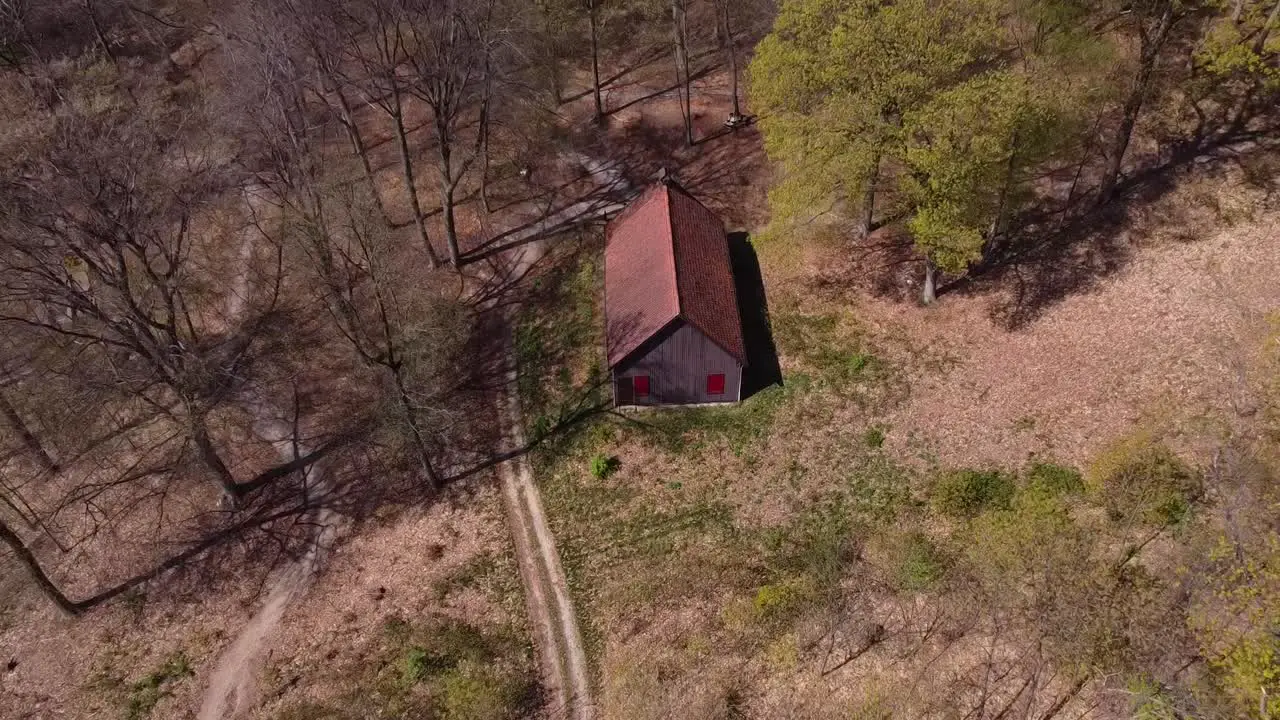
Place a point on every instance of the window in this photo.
(641, 385)
(715, 384)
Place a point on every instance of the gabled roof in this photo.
(666, 257)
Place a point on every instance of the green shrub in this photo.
(965, 493)
(873, 437)
(1053, 479)
(150, 690)
(1142, 480)
(1150, 701)
(779, 600)
(917, 563)
(415, 665)
(602, 466)
(475, 692)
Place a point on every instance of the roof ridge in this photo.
(675, 255)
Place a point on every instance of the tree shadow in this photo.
(763, 368)
(1068, 251)
(693, 77)
(608, 82)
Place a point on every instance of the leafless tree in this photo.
(378, 39)
(454, 62)
(680, 44)
(393, 320)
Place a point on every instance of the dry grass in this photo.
(670, 555)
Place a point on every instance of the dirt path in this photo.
(232, 690)
(551, 612)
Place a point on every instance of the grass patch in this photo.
(965, 493)
(917, 563)
(481, 692)
(1140, 480)
(818, 543)
(688, 430)
(157, 685)
(830, 346)
(558, 337)
(440, 668)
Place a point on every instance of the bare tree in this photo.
(593, 21)
(453, 63)
(379, 38)
(680, 43)
(399, 327)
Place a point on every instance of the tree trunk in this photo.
(406, 166)
(1002, 201)
(1152, 44)
(415, 429)
(358, 146)
(29, 439)
(447, 188)
(869, 202)
(732, 47)
(682, 68)
(208, 454)
(98, 32)
(595, 59)
(51, 591)
(482, 140)
(553, 64)
(450, 226)
(929, 293)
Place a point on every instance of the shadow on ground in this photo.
(763, 369)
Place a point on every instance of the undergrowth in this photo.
(437, 668)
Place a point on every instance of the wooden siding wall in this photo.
(678, 366)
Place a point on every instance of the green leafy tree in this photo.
(943, 105)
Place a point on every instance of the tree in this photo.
(392, 320)
(1153, 21)
(834, 81)
(311, 33)
(1237, 64)
(102, 236)
(452, 56)
(378, 39)
(946, 105)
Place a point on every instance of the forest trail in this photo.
(551, 613)
(232, 690)
(552, 616)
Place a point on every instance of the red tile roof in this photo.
(666, 257)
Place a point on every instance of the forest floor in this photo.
(1164, 330)
(1155, 326)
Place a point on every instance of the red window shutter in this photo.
(715, 384)
(642, 385)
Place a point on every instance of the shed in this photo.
(673, 333)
